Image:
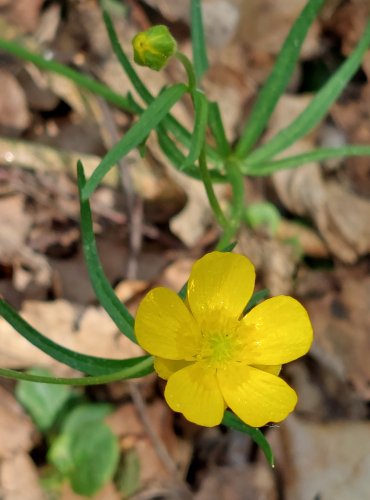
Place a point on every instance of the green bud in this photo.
(154, 47)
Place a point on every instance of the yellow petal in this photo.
(220, 283)
(165, 327)
(275, 332)
(273, 369)
(255, 396)
(167, 367)
(194, 392)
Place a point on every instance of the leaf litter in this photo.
(319, 251)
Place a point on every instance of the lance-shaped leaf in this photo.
(278, 79)
(232, 421)
(153, 115)
(89, 364)
(200, 59)
(103, 289)
(76, 77)
(317, 108)
(217, 127)
(321, 154)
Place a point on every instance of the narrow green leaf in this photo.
(256, 298)
(169, 122)
(125, 103)
(217, 128)
(135, 135)
(103, 289)
(317, 108)
(198, 40)
(233, 422)
(317, 155)
(177, 158)
(199, 132)
(278, 79)
(88, 364)
(135, 368)
(76, 77)
(136, 81)
(41, 401)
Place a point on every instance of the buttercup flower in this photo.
(211, 355)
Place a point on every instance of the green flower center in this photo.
(219, 347)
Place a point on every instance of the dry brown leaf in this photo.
(91, 332)
(247, 482)
(14, 115)
(326, 461)
(19, 479)
(126, 424)
(29, 267)
(43, 158)
(341, 324)
(265, 24)
(17, 432)
(340, 215)
(275, 261)
(25, 13)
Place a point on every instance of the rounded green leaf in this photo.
(95, 455)
(43, 402)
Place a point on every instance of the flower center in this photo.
(219, 347)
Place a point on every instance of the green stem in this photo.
(236, 180)
(189, 68)
(207, 181)
(139, 370)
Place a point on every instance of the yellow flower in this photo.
(212, 356)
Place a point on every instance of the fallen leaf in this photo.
(340, 215)
(18, 475)
(14, 115)
(90, 332)
(248, 481)
(325, 460)
(126, 424)
(341, 323)
(17, 432)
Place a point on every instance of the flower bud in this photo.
(154, 47)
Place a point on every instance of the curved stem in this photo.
(139, 370)
(189, 68)
(235, 178)
(207, 181)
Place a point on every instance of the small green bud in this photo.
(154, 47)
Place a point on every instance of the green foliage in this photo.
(198, 40)
(86, 451)
(128, 474)
(103, 289)
(43, 402)
(278, 79)
(262, 214)
(150, 118)
(232, 421)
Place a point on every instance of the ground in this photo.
(152, 223)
